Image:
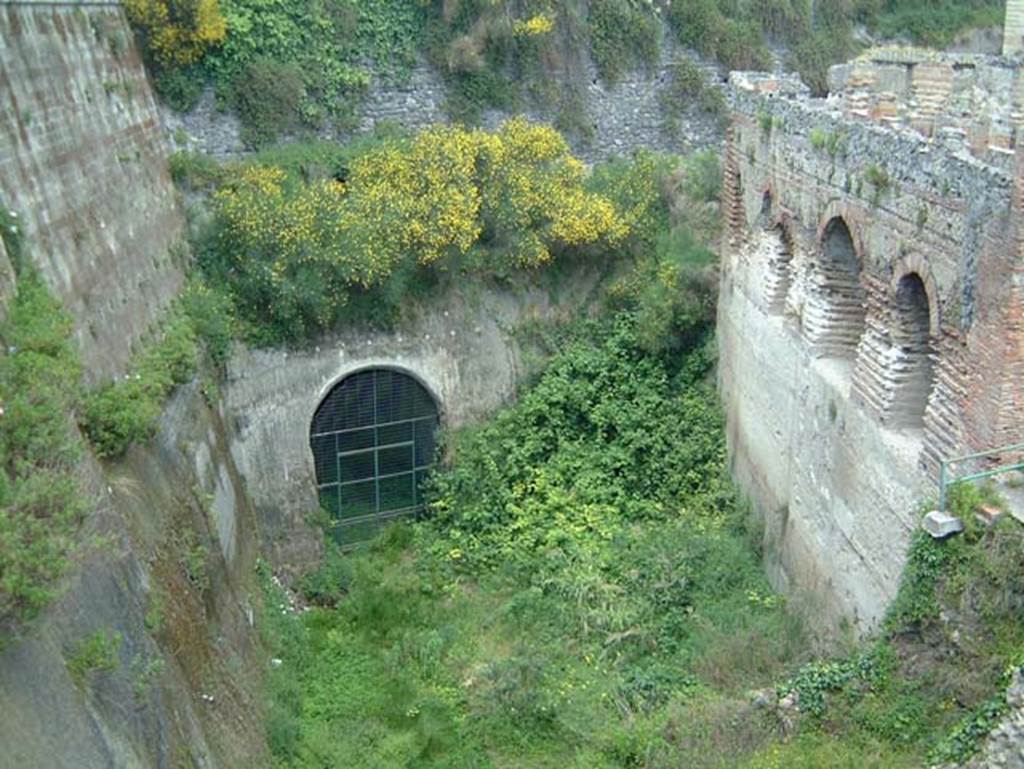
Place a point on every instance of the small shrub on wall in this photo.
(126, 411)
(268, 98)
(623, 36)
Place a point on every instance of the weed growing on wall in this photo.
(95, 654)
(624, 36)
(41, 504)
(12, 235)
(688, 88)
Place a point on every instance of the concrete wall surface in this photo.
(82, 164)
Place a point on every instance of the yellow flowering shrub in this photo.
(534, 195)
(538, 24)
(177, 32)
(299, 252)
(419, 199)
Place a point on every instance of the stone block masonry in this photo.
(82, 162)
(620, 118)
(870, 310)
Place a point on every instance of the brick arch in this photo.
(836, 307)
(781, 248)
(837, 209)
(915, 264)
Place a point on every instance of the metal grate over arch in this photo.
(373, 439)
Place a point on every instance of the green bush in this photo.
(125, 412)
(212, 319)
(623, 36)
(179, 88)
(933, 22)
(328, 584)
(734, 39)
(268, 97)
(687, 87)
(41, 504)
(194, 170)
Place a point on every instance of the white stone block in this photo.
(941, 525)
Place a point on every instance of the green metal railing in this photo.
(946, 480)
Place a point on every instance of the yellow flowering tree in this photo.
(297, 253)
(177, 32)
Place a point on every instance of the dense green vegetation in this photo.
(41, 503)
(587, 592)
(288, 68)
(307, 237)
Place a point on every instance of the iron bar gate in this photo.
(373, 439)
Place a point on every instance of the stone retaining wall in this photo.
(622, 117)
(82, 162)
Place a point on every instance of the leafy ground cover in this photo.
(587, 592)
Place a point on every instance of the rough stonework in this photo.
(871, 319)
(82, 162)
(185, 688)
(622, 117)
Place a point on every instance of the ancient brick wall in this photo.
(1013, 32)
(82, 163)
(870, 323)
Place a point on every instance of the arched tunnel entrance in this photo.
(373, 439)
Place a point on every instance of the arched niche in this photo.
(909, 367)
(779, 278)
(836, 311)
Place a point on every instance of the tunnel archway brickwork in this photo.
(373, 439)
(894, 371)
(779, 253)
(912, 365)
(835, 310)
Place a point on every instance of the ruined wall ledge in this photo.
(927, 162)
